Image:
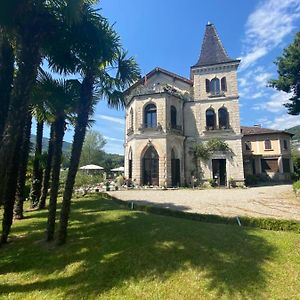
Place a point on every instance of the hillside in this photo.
(66, 145)
(296, 131)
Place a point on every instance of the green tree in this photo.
(92, 149)
(288, 69)
(97, 62)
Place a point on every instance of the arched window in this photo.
(151, 167)
(223, 84)
(131, 119)
(173, 117)
(223, 118)
(215, 86)
(210, 119)
(150, 116)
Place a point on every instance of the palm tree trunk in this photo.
(9, 193)
(25, 148)
(84, 109)
(23, 84)
(7, 60)
(36, 172)
(42, 202)
(58, 135)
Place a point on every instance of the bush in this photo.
(296, 187)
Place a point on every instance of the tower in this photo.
(215, 108)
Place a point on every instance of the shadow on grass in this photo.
(109, 246)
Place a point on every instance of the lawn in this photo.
(114, 253)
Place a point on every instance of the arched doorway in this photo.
(151, 167)
(175, 169)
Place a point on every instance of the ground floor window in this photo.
(269, 165)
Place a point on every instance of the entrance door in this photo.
(219, 171)
(150, 167)
(175, 171)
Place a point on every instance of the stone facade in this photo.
(177, 110)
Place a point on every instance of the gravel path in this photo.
(270, 201)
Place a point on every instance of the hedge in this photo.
(262, 223)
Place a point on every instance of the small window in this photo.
(173, 117)
(268, 145)
(223, 84)
(207, 83)
(285, 145)
(131, 118)
(210, 119)
(150, 116)
(248, 146)
(215, 86)
(223, 118)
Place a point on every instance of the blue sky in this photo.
(169, 34)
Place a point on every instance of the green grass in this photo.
(114, 253)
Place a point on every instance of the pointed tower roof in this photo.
(212, 51)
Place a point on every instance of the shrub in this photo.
(262, 223)
(296, 187)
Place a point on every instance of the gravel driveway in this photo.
(269, 201)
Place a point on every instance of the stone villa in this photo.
(167, 114)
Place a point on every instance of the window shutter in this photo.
(207, 82)
(223, 84)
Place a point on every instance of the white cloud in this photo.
(266, 28)
(114, 139)
(275, 103)
(284, 122)
(110, 119)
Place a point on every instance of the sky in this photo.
(169, 34)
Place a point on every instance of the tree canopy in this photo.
(289, 75)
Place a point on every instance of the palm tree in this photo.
(96, 62)
(60, 98)
(47, 173)
(25, 148)
(7, 60)
(37, 26)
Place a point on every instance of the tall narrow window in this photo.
(207, 85)
(131, 119)
(223, 84)
(268, 145)
(150, 116)
(210, 119)
(130, 164)
(223, 118)
(173, 117)
(215, 86)
(285, 145)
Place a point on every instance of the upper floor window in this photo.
(213, 86)
(248, 146)
(131, 118)
(285, 145)
(210, 119)
(223, 118)
(150, 120)
(223, 84)
(173, 117)
(268, 145)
